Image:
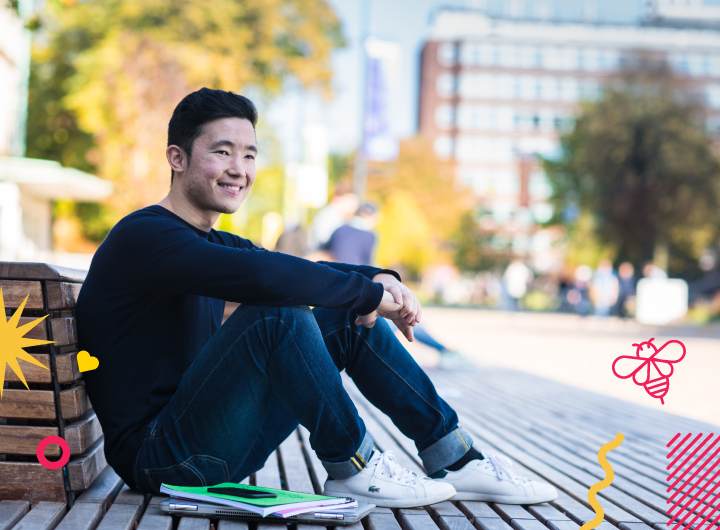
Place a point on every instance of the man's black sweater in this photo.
(155, 294)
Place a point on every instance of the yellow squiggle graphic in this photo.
(604, 483)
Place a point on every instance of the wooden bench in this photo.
(552, 431)
(56, 403)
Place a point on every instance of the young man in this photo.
(184, 400)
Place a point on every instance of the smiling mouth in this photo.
(233, 188)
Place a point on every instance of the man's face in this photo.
(221, 169)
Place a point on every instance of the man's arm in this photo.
(174, 259)
(366, 270)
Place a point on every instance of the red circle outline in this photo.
(64, 455)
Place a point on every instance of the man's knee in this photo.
(330, 319)
(284, 313)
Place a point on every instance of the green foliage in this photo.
(477, 248)
(404, 231)
(640, 162)
(421, 205)
(106, 75)
(340, 168)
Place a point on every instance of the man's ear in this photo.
(177, 158)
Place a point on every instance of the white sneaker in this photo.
(493, 480)
(384, 482)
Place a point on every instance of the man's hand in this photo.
(402, 307)
(410, 311)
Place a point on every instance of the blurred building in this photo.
(28, 187)
(497, 92)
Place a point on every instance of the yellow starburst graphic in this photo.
(13, 340)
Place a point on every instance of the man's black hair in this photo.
(201, 107)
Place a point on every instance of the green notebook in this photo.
(258, 499)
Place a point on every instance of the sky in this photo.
(406, 23)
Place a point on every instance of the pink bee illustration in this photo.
(651, 367)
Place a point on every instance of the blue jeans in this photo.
(268, 369)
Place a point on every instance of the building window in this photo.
(469, 53)
(712, 96)
(589, 59)
(696, 65)
(506, 56)
(484, 149)
(444, 147)
(446, 53)
(608, 59)
(713, 66)
(589, 90)
(444, 116)
(446, 84)
(569, 88)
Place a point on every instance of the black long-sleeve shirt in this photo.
(155, 294)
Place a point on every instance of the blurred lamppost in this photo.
(361, 165)
(25, 10)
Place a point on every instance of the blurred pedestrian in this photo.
(516, 281)
(604, 288)
(293, 241)
(626, 294)
(354, 242)
(579, 295)
(337, 212)
(650, 270)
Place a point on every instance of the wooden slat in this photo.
(15, 291)
(43, 516)
(82, 516)
(11, 512)
(85, 469)
(493, 524)
(64, 331)
(120, 517)
(154, 521)
(269, 475)
(39, 404)
(417, 520)
(194, 523)
(62, 295)
(40, 271)
(382, 521)
(103, 490)
(128, 496)
(66, 363)
(19, 480)
(63, 328)
(296, 472)
(23, 440)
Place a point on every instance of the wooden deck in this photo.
(552, 431)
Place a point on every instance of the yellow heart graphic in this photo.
(87, 362)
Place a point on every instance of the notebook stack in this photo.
(259, 500)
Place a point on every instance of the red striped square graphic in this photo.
(693, 481)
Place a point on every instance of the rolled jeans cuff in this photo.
(356, 463)
(446, 451)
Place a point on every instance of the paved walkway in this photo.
(580, 351)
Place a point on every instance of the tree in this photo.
(107, 74)
(478, 247)
(640, 161)
(423, 191)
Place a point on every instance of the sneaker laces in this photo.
(504, 469)
(390, 468)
